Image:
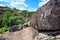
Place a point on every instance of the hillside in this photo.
(12, 16)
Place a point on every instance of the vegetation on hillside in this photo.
(13, 17)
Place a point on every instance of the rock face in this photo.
(47, 17)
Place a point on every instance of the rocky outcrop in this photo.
(47, 17)
(28, 33)
(25, 34)
(4, 9)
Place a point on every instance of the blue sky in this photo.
(31, 5)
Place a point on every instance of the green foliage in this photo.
(4, 29)
(8, 18)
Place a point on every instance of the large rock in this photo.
(47, 17)
(16, 28)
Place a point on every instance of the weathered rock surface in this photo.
(28, 34)
(25, 34)
(15, 28)
(47, 17)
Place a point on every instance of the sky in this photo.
(30, 5)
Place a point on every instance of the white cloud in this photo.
(19, 4)
(21, 8)
(2, 5)
(42, 2)
(32, 9)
